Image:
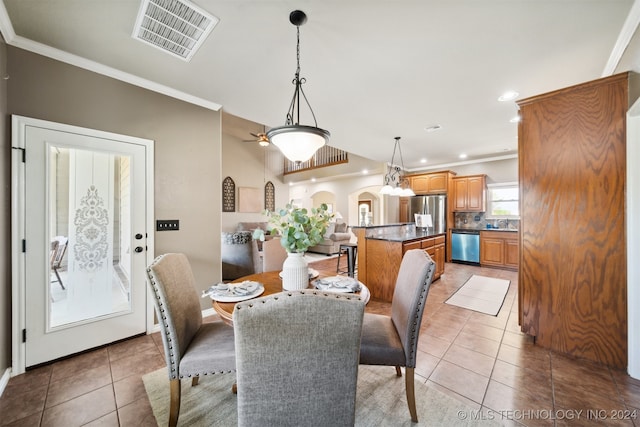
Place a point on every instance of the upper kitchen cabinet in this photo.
(431, 183)
(572, 165)
(470, 193)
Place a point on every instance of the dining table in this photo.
(272, 283)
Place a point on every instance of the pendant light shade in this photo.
(395, 184)
(298, 142)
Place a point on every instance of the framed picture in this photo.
(250, 199)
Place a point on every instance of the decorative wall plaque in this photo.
(228, 195)
(270, 196)
(249, 200)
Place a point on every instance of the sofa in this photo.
(237, 255)
(241, 255)
(335, 235)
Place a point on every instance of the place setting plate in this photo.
(312, 274)
(234, 292)
(337, 284)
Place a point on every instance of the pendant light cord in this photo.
(294, 108)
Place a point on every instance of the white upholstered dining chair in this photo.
(297, 358)
(393, 340)
(192, 348)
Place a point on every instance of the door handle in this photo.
(138, 236)
(138, 249)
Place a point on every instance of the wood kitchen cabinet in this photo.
(403, 213)
(572, 284)
(435, 247)
(470, 193)
(499, 249)
(431, 183)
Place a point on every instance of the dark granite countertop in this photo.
(484, 229)
(406, 237)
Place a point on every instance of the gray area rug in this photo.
(482, 294)
(381, 401)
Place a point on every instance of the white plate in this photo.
(233, 294)
(337, 284)
(312, 274)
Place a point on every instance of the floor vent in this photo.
(176, 27)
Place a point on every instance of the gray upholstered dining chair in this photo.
(393, 340)
(297, 358)
(191, 347)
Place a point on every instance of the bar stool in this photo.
(351, 250)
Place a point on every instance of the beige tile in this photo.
(79, 384)
(19, 406)
(128, 390)
(137, 364)
(469, 359)
(531, 409)
(81, 410)
(90, 360)
(109, 420)
(462, 381)
(433, 345)
(130, 347)
(29, 380)
(137, 413)
(477, 343)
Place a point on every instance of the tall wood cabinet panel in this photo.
(572, 276)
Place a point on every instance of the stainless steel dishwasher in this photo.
(465, 246)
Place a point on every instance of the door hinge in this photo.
(24, 335)
(24, 155)
(24, 245)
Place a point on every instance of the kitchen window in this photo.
(502, 201)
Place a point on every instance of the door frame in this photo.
(18, 264)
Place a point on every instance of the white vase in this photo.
(295, 272)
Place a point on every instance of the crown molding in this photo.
(10, 37)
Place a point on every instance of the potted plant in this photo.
(299, 229)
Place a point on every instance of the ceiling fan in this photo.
(261, 138)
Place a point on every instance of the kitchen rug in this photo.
(483, 294)
(380, 401)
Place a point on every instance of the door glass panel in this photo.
(89, 224)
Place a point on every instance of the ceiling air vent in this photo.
(176, 27)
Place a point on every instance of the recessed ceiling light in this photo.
(515, 119)
(313, 180)
(463, 156)
(423, 160)
(365, 171)
(509, 95)
(433, 128)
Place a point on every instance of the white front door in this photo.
(82, 201)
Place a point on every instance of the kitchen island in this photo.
(380, 251)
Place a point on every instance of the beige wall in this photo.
(250, 165)
(5, 220)
(187, 146)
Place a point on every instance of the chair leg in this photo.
(174, 406)
(398, 371)
(194, 381)
(55, 270)
(411, 394)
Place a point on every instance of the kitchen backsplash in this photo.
(477, 221)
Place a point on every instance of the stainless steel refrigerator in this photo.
(436, 206)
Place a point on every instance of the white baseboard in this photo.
(4, 380)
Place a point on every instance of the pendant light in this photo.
(394, 182)
(298, 142)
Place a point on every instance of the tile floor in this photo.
(481, 360)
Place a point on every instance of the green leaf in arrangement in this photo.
(299, 228)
